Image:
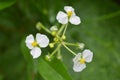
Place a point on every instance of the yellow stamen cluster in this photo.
(69, 13)
(34, 44)
(82, 61)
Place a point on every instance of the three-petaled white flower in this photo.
(70, 16)
(34, 45)
(80, 59)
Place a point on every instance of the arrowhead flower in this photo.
(34, 45)
(80, 59)
(70, 16)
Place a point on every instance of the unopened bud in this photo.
(48, 58)
(53, 33)
(59, 57)
(56, 39)
(54, 28)
(51, 45)
(81, 46)
(63, 37)
(38, 25)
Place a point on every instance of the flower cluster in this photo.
(59, 40)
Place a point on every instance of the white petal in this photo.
(29, 39)
(42, 40)
(62, 17)
(75, 20)
(77, 58)
(87, 55)
(68, 8)
(79, 67)
(35, 52)
(29, 45)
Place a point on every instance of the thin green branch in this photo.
(65, 29)
(61, 29)
(69, 49)
(40, 25)
(58, 47)
(71, 44)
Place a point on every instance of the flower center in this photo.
(34, 43)
(82, 61)
(69, 13)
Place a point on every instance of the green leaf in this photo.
(54, 70)
(4, 5)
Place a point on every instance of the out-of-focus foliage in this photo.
(5, 4)
(99, 30)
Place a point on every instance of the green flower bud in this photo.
(48, 58)
(63, 37)
(51, 45)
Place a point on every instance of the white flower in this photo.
(80, 59)
(34, 44)
(70, 16)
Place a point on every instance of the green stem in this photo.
(59, 54)
(61, 29)
(69, 49)
(43, 27)
(65, 29)
(58, 47)
(71, 44)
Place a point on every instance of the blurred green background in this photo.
(99, 30)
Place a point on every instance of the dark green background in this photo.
(99, 30)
